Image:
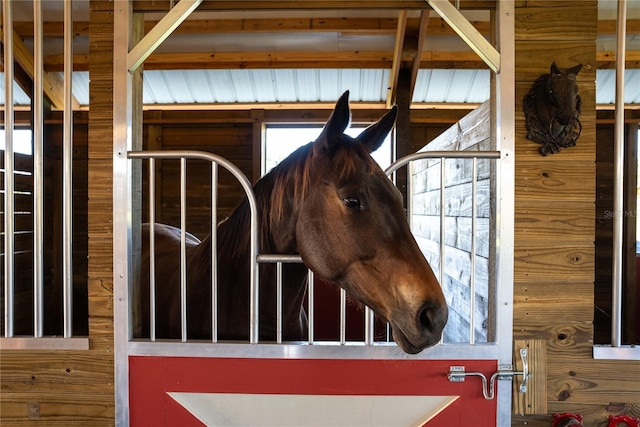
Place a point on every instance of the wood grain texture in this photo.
(533, 400)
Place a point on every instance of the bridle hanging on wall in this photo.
(552, 109)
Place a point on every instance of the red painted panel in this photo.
(152, 377)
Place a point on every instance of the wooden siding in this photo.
(555, 228)
(73, 388)
(470, 133)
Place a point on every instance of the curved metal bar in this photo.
(448, 154)
(253, 208)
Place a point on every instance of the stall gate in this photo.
(338, 382)
(455, 383)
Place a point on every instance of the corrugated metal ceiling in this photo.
(319, 85)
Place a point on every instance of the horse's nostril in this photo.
(424, 318)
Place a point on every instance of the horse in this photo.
(332, 204)
(552, 109)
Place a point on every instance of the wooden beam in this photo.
(53, 85)
(303, 5)
(467, 32)
(397, 58)
(160, 32)
(365, 26)
(415, 64)
(350, 25)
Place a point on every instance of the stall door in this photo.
(199, 391)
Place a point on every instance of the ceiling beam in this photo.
(397, 58)
(255, 5)
(345, 59)
(416, 62)
(467, 32)
(160, 32)
(364, 26)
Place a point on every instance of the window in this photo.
(282, 140)
(21, 141)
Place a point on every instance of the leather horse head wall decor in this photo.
(552, 109)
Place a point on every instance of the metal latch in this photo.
(458, 374)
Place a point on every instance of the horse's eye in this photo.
(352, 202)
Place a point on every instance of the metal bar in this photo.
(279, 302)
(160, 32)
(183, 248)
(474, 39)
(369, 325)
(213, 240)
(618, 186)
(270, 258)
(122, 202)
(447, 154)
(442, 218)
(253, 207)
(38, 171)
(343, 316)
(474, 228)
(152, 249)
(503, 139)
(9, 221)
(67, 185)
(311, 314)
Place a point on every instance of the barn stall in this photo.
(553, 312)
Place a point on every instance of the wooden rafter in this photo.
(53, 85)
(160, 32)
(415, 63)
(467, 32)
(363, 26)
(397, 58)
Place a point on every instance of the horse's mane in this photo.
(282, 190)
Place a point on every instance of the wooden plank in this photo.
(553, 181)
(540, 220)
(564, 262)
(534, 400)
(573, 378)
(549, 23)
(537, 301)
(565, 336)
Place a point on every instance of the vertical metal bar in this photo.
(343, 316)
(618, 187)
(279, 302)
(410, 173)
(213, 239)
(369, 325)
(67, 185)
(9, 224)
(38, 171)
(183, 247)
(474, 225)
(442, 217)
(311, 315)
(152, 249)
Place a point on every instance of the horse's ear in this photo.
(573, 71)
(339, 120)
(374, 135)
(555, 70)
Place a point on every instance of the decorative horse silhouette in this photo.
(330, 203)
(552, 109)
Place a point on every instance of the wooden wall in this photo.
(554, 227)
(76, 388)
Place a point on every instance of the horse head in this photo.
(552, 109)
(352, 230)
(562, 93)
